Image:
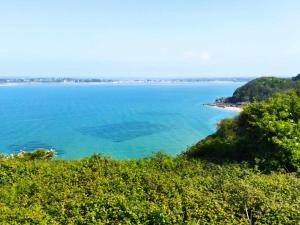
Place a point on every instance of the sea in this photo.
(119, 121)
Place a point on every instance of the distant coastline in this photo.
(91, 81)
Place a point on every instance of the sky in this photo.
(149, 39)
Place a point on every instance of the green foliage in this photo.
(156, 190)
(39, 153)
(271, 131)
(266, 133)
(171, 190)
(261, 88)
(220, 146)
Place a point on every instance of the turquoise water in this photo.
(121, 121)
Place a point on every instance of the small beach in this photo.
(225, 107)
(230, 108)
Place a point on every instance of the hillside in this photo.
(260, 89)
(266, 134)
(296, 78)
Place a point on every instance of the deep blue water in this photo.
(122, 121)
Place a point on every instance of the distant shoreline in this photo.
(92, 81)
(8, 84)
(119, 83)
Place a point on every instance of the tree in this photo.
(271, 131)
(266, 133)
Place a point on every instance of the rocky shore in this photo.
(228, 103)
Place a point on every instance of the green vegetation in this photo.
(39, 153)
(262, 88)
(266, 133)
(154, 190)
(245, 173)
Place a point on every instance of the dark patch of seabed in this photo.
(119, 132)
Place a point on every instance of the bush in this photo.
(156, 190)
(265, 133)
(219, 146)
(271, 131)
(39, 153)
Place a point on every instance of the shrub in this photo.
(156, 190)
(271, 131)
(39, 153)
(266, 133)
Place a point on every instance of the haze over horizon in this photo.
(149, 39)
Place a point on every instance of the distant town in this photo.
(112, 81)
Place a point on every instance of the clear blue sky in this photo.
(155, 38)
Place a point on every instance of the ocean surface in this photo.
(121, 121)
